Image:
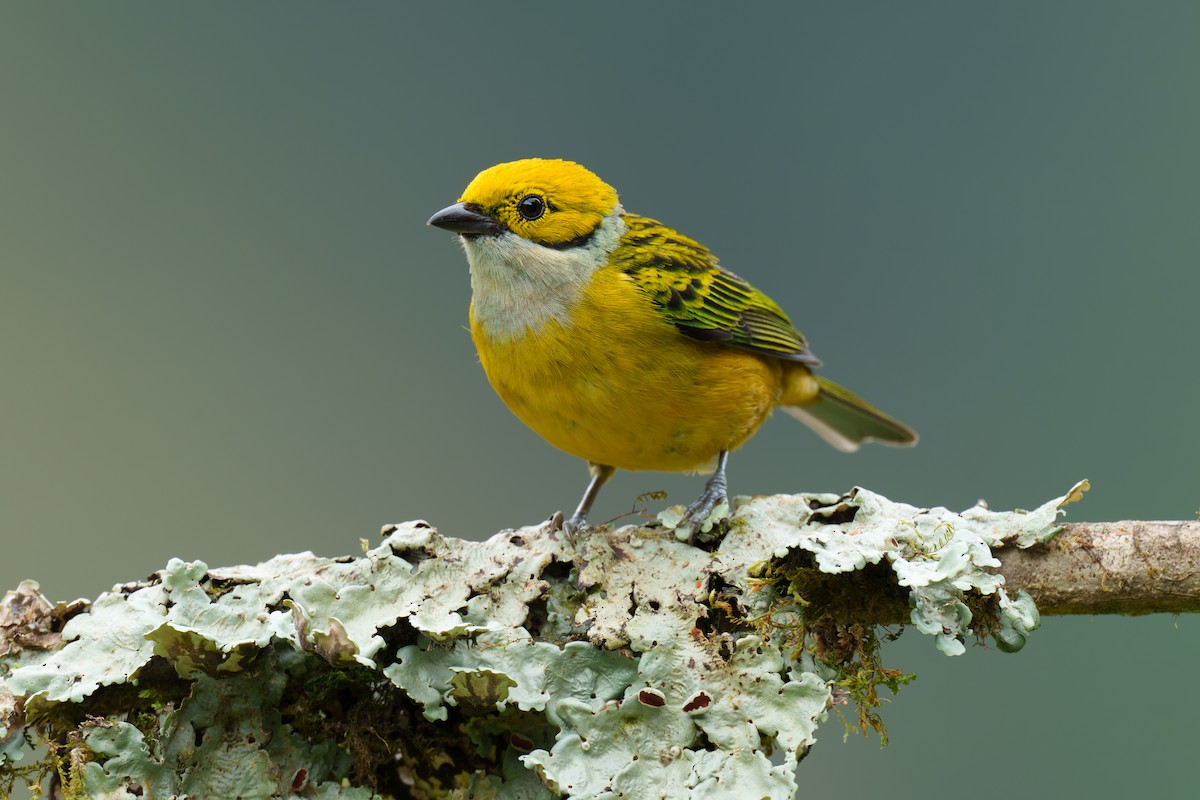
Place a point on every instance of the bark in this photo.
(1126, 567)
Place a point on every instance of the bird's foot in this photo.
(711, 510)
(573, 527)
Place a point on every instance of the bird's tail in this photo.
(845, 420)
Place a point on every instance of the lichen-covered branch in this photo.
(1087, 568)
(627, 664)
(1111, 568)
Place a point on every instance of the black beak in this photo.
(465, 218)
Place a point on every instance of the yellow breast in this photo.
(613, 382)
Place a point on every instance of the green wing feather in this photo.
(703, 301)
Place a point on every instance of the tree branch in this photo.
(1111, 568)
(1125, 567)
(527, 665)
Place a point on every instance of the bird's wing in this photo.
(704, 302)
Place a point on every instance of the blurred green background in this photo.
(226, 332)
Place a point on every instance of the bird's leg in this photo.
(715, 493)
(600, 473)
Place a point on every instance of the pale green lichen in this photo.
(12, 723)
(939, 556)
(521, 667)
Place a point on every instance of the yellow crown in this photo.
(577, 201)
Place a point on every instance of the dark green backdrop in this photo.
(226, 332)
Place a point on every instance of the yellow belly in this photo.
(619, 385)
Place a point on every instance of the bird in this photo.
(623, 342)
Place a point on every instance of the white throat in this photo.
(517, 286)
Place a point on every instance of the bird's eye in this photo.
(531, 207)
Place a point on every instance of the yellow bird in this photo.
(622, 342)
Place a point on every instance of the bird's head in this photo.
(552, 203)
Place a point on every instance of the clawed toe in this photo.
(573, 527)
(699, 514)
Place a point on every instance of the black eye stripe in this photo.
(531, 207)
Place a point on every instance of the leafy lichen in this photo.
(521, 667)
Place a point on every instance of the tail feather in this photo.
(845, 420)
